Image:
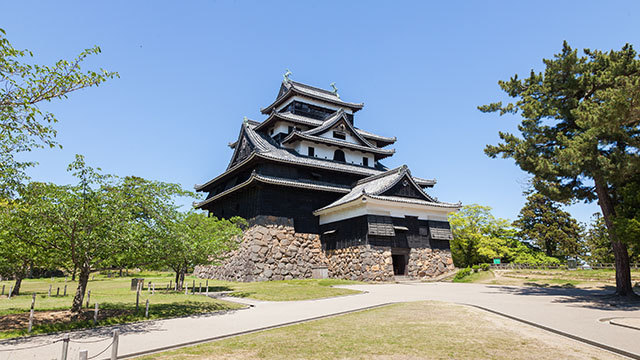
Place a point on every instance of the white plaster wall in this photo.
(385, 208)
(348, 137)
(283, 127)
(323, 151)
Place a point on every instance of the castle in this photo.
(314, 189)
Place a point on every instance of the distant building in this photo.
(308, 167)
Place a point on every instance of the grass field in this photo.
(422, 330)
(599, 278)
(117, 301)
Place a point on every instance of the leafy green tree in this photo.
(551, 229)
(478, 237)
(23, 87)
(193, 239)
(18, 236)
(98, 222)
(579, 133)
(597, 242)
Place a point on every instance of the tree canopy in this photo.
(23, 87)
(478, 237)
(579, 132)
(542, 223)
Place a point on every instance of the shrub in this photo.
(485, 267)
(475, 268)
(462, 274)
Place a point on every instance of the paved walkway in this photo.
(582, 313)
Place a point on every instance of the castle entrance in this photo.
(399, 264)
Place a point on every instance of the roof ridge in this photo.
(380, 176)
(297, 83)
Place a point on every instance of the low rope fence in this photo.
(83, 354)
(512, 266)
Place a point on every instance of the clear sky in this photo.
(191, 70)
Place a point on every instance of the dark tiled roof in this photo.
(292, 88)
(266, 148)
(297, 183)
(340, 143)
(376, 185)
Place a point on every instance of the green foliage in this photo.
(478, 237)
(485, 267)
(193, 238)
(597, 242)
(580, 132)
(475, 268)
(543, 223)
(23, 87)
(462, 273)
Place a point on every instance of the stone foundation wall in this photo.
(277, 252)
(366, 263)
(269, 252)
(429, 263)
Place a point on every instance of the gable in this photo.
(342, 130)
(405, 188)
(243, 149)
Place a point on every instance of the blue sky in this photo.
(191, 70)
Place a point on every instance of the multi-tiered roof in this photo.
(308, 143)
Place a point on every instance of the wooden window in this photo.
(339, 135)
(365, 161)
(290, 129)
(338, 155)
(311, 151)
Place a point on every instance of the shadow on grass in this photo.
(122, 316)
(588, 298)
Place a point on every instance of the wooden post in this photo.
(153, 289)
(114, 344)
(88, 297)
(65, 347)
(200, 288)
(49, 290)
(146, 310)
(2, 289)
(168, 288)
(175, 287)
(83, 355)
(65, 290)
(149, 288)
(95, 315)
(137, 297)
(10, 291)
(58, 291)
(186, 289)
(33, 303)
(207, 291)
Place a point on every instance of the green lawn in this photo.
(421, 330)
(550, 277)
(117, 301)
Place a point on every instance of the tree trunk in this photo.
(83, 280)
(623, 271)
(16, 286)
(181, 278)
(73, 274)
(120, 274)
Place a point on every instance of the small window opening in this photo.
(271, 131)
(311, 151)
(365, 161)
(339, 135)
(290, 129)
(338, 155)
